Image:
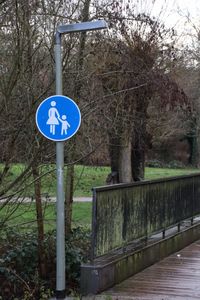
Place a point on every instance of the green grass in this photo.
(85, 178)
(155, 173)
(24, 215)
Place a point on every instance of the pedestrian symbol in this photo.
(54, 118)
(58, 118)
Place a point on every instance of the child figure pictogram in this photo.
(65, 125)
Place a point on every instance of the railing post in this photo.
(163, 234)
(94, 222)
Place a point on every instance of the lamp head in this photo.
(81, 27)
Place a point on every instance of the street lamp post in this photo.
(60, 218)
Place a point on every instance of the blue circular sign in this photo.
(58, 118)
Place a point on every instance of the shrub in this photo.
(175, 164)
(154, 163)
(19, 276)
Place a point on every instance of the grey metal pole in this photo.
(60, 222)
(60, 219)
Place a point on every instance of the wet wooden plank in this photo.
(176, 277)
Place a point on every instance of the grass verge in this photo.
(24, 215)
(85, 178)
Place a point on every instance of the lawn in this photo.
(24, 215)
(85, 178)
(155, 173)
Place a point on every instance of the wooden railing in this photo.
(126, 212)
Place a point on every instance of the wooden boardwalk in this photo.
(175, 277)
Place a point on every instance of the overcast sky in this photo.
(169, 11)
(174, 11)
(183, 15)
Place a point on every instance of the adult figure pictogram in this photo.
(53, 117)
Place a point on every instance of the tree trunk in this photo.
(69, 198)
(40, 223)
(114, 150)
(77, 90)
(138, 156)
(194, 143)
(125, 171)
(139, 139)
(35, 171)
